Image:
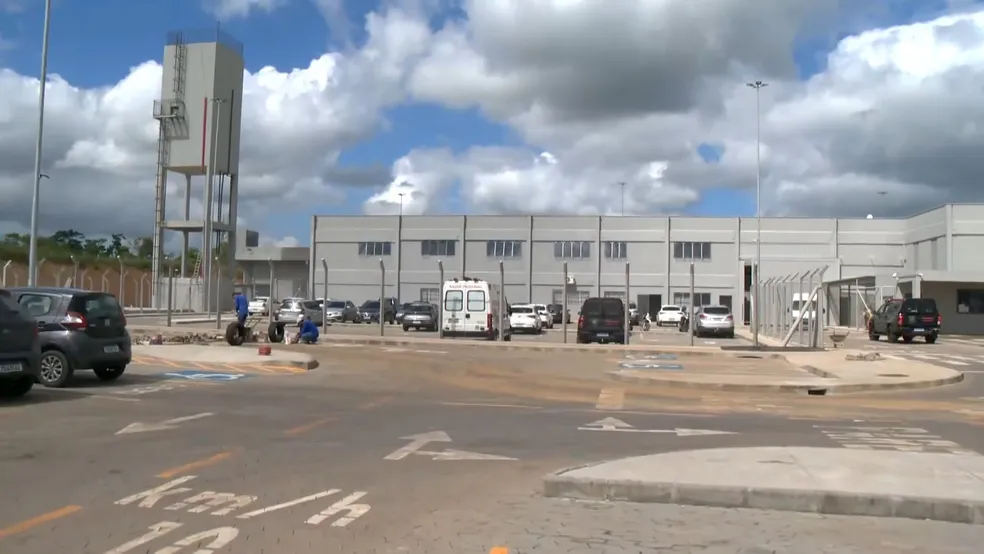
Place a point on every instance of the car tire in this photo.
(405, 329)
(871, 333)
(890, 336)
(906, 339)
(931, 339)
(731, 335)
(275, 332)
(109, 373)
(16, 388)
(56, 370)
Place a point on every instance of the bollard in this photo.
(440, 300)
(324, 295)
(382, 298)
(563, 307)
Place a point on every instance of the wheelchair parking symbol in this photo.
(194, 375)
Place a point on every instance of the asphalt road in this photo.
(326, 462)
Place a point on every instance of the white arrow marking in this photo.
(608, 424)
(163, 425)
(416, 443)
(677, 432)
(452, 455)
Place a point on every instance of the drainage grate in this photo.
(892, 375)
(749, 357)
(817, 392)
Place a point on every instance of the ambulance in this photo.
(470, 308)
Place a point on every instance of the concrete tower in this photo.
(199, 114)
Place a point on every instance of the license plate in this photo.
(10, 368)
(602, 334)
(111, 349)
(918, 330)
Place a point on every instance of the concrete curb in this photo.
(307, 364)
(816, 389)
(810, 501)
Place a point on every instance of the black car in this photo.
(906, 318)
(602, 320)
(78, 330)
(20, 349)
(557, 312)
(369, 311)
(420, 316)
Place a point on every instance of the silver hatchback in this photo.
(715, 320)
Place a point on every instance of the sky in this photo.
(508, 106)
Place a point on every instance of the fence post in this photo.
(140, 293)
(502, 299)
(627, 322)
(218, 293)
(810, 336)
(440, 299)
(799, 297)
(105, 281)
(273, 297)
(37, 276)
(382, 298)
(693, 312)
(324, 294)
(563, 308)
(5, 267)
(170, 294)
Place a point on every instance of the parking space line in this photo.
(300, 429)
(197, 464)
(611, 399)
(28, 524)
(491, 405)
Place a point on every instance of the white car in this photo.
(669, 315)
(546, 318)
(523, 318)
(259, 305)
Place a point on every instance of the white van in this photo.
(471, 309)
(798, 304)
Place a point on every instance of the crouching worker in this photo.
(309, 332)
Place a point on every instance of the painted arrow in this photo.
(160, 426)
(452, 455)
(417, 442)
(619, 426)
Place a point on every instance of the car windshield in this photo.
(96, 305)
(313, 304)
(921, 306)
(371, 305)
(603, 307)
(670, 309)
(335, 304)
(716, 310)
(288, 304)
(522, 310)
(418, 308)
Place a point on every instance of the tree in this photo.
(62, 245)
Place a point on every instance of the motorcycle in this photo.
(684, 324)
(646, 323)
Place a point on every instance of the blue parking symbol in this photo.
(199, 375)
(638, 364)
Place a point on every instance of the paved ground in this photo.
(257, 462)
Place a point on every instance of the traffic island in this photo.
(231, 355)
(915, 485)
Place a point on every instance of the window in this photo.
(717, 310)
(437, 247)
(616, 250)
(692, 250)
(454, 301)
(375, 248)
(504, 248)
(35, 305)
(431, 296)
(572, 249)
(614, 294)
(476, 301)
(725, 300)
(683, 298)
(970, 301)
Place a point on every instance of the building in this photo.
(932, 254)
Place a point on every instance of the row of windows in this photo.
(564, 249)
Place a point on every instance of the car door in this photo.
(454, 306)
(16, 329)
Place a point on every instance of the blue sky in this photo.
(95, 42)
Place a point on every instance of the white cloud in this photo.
(232, 9)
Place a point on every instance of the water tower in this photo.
(199, 114)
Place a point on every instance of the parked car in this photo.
(78, 330)
(545, 318)
(420, 316)
(559, 313)
(602, 320)
(401, 311)
(293, 310)
(259, 305)
(20, 349)
(906, 318)
(714, 320)
(669, 315)
(523, 318)
(341, 311)
(369, 311)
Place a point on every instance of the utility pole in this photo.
(757, 310)
(32, 251)
(622, 186)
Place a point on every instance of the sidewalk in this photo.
(942, 487)
(232, 355)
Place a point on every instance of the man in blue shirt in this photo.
(242, 306)
(309, 331)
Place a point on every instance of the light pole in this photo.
(758, 86)
(401, 195)
(622, 187)
(32, 256)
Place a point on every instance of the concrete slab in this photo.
(204, 354)
(943, 487)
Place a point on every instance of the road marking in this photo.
(459, 455)
(617, 425)
(300, 429)
(352, 511)
(198, 464)
(167, 424)
(376, 402)
(29, 524)
(221, 536)
(288, 504)
(611, 399)
(117, 398)
(419, 440)
(485, 405)
(499, 550)
(902, 439)
(226, 502)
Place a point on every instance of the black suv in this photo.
(602, 320)
(20, 349)
(369, 310)
(79, 329)
(906, 318)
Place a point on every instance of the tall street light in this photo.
(622, 186)
(401, 194)
(32, 258)
(758, 86)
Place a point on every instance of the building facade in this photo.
(859, 260)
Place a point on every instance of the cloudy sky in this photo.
(511, 106)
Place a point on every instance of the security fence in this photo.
(794, 308)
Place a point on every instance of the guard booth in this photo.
(959, 297)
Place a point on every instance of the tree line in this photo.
(61, 246)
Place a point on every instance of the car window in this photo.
(8, 307)
(476, 301)
(717, 310)
(336, 304)
(603, 307)
(349, 304)
(96, 305)
(522, 310)
(35, 305)
(454, 301)
(921, 306)
(670, 309)
(419, 308)
(312, 305)
(371, 304)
